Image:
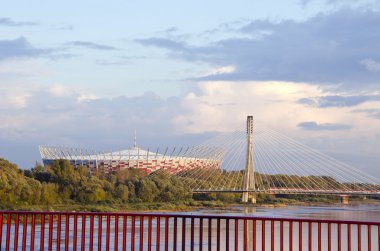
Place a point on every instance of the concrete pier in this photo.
(344, 199)
(249, 178)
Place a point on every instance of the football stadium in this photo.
(173, 161)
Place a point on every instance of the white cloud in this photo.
(13, 98)
(60, 90)
(221, 70)
(61, 116)
(215, 106)
(87, 97)
(223, 106)
(370, 64)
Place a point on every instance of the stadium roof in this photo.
(133, 153)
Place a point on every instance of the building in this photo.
(135, 157)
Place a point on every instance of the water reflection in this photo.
(200, 235)
(359, 212)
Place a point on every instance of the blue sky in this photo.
(88, 73)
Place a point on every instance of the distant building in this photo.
(134, 157)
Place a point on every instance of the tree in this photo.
(146, 190)
(121, 192)
(49, 193)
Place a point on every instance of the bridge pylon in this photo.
(344, 199)
(249, 174)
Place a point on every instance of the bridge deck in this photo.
(293, 191)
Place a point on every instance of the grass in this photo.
(127, 207)
(183, 205)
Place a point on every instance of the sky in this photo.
(90, 74)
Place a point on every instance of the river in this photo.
(359, 212)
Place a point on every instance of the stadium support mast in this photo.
(135, 141)
(249, 175)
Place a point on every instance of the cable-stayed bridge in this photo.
(264, 161)
(252, 161)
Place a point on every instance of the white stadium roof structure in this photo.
(173, 160)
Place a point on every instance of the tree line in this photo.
(62, 183)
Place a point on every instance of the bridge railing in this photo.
(22, 230)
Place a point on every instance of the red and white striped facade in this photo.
(134, 157)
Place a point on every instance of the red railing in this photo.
(167, 231)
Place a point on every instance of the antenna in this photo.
(135, 144)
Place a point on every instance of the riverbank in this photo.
(114, 207)
(176, 206)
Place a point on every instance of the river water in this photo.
(358, 212)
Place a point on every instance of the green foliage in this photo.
(15, 188)
(62, 183)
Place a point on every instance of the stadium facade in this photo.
(135, 157)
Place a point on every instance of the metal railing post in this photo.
(16, 237)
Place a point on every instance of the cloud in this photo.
(221, 70)
(171, 30)
(371, 64)
(305, 2)
(60, 114)
(166, 44)
(11, 23)
(20, 48)
(91, 45)
(338, 100)
(212, 106)
(57, 115)
(313, 126)
(337, 3)
(373, 113)
(113, 63)
(14, 98)
(64, 27)
(376, 114)
(325, 49)
(122, 60)
(223, 105)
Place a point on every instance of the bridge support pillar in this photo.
(244, 197)
(344, 199)
(253, 198)
(249, 174)
(248, 197)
